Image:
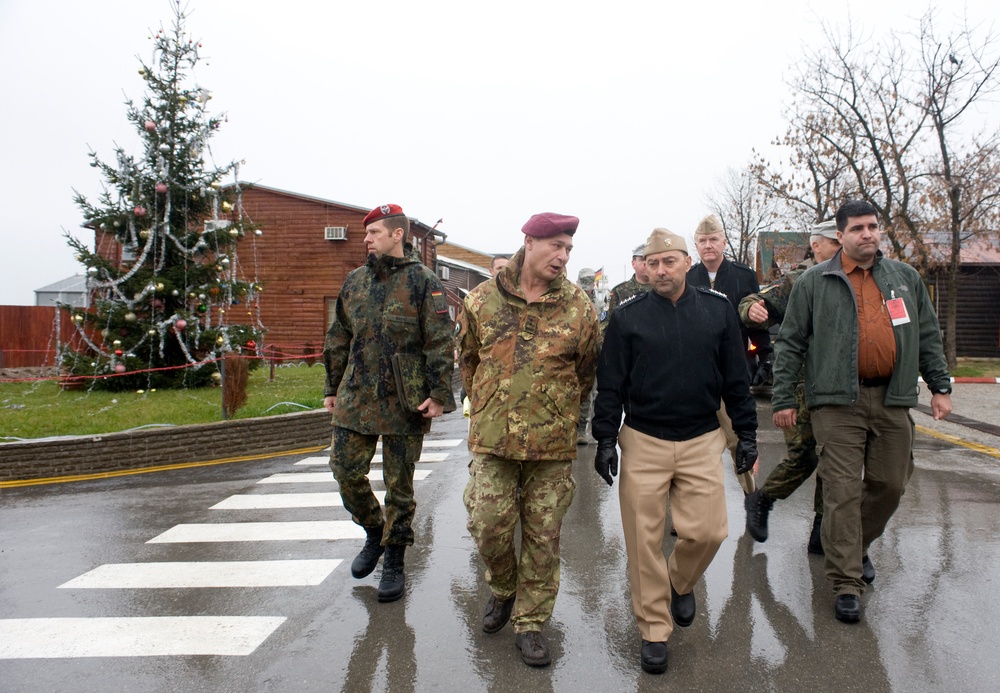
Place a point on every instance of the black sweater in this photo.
(667, 366)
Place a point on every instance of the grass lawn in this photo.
(977, 368)
(41, 409)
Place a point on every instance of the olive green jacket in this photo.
(820, 329)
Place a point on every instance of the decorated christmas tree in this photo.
(169, 294)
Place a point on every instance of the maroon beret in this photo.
(548, 224)
(383, 212)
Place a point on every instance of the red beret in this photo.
(548, 224)
(383, 212)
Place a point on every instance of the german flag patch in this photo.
(440, 302)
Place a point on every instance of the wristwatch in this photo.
(942, 391)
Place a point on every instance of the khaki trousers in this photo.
(690, 473)
(865, 461)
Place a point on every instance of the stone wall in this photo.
(65, 458)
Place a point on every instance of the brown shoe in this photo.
(497, 613)
(534, 649)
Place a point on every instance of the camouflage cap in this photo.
(709, 225)
(827, 229)
(662, 240)
(586, 278)
(639, 249)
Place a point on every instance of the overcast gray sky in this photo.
(623, 113)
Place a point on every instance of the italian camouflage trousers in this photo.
(491, 497)
(801, 462)
(351, 455)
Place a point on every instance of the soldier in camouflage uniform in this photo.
(391, 306)
(529, 354)
(586, 279)
(765, 309)
(629, 289)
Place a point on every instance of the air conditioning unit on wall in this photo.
(444, 272)
(335, 233)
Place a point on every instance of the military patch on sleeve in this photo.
(440, 302)
(717, 293)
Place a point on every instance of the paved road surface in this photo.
(236, 578)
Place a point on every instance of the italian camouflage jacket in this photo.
(388, 306)
(527, 366)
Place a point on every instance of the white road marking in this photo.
(286, 500)
(154, 636)
(377, 459)
(205, 574)
(261, 531)
(323, 477)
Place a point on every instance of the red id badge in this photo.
(897, 311)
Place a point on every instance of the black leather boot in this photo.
(365, 562)
(393, 582)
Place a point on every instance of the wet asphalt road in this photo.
(765, 612)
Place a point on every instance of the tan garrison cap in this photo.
(662, 240)
(827, 229)
(708, 225)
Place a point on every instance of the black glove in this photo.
(763, 374)
(746, 451)
(606, 460)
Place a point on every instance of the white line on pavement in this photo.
(205, 574)
(260, 531)
(377, 459)
(270, 501)
(49, 638)
(322, 477)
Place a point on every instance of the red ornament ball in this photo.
(119, 368)
(161, 188)
(180, 324)
(251, 344)
(118, 352)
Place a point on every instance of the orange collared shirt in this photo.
(876, 340)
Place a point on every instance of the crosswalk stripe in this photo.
(205, 574)
(450, 443)
(269, 501)
(377, 459)
(321, 477)
(260, 531)
(152, 636)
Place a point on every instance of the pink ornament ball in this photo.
(161, 188)
(149, 125)
(140, 211)
(180, 324)
(119, 368)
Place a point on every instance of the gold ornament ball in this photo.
(217, 376)
(159, 286)
(234, 232)
(117, 342)
(226, 207)
(220, 340)
(130, 317)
